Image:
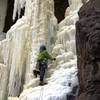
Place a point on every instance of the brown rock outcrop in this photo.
(88, 50)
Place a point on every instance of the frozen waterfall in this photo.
(39, 25)
(64, 70)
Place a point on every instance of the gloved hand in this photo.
(54, 58)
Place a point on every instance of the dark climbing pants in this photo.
(42, 68)
(70, 97)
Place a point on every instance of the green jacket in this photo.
(44, 55)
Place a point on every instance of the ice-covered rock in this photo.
(3, 81)
(3, 53)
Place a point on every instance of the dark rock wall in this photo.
(9, 14)
(84, 1)
(8, 20)
(88, 50)
(6, 12)
(3, 8)
(60, 8)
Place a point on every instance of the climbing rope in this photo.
(41, 93)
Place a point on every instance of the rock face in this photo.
(3, 7)
(60, 7)
(88, 50)
(9, 12)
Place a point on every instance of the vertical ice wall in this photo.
(3, 69)
(65, 42)
(3, 80)
(38, 18)
(19, 44)
(64, 70)
(42, 17)
(44, 26)
(44, 20)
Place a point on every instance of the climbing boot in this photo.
(35, 72)
(42, 83)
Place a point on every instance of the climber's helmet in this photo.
(42, 48)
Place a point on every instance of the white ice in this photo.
(64, 70)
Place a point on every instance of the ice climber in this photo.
(42, 63)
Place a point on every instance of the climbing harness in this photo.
(41, 93)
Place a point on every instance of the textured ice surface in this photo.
(57, 87)
(39, 20)
(64, 70)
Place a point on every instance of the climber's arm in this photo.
(49, 56)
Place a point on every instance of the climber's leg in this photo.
(42, 73)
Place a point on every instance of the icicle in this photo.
(74, 4)
(22, 3)
(18, 5)
(15, 9)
